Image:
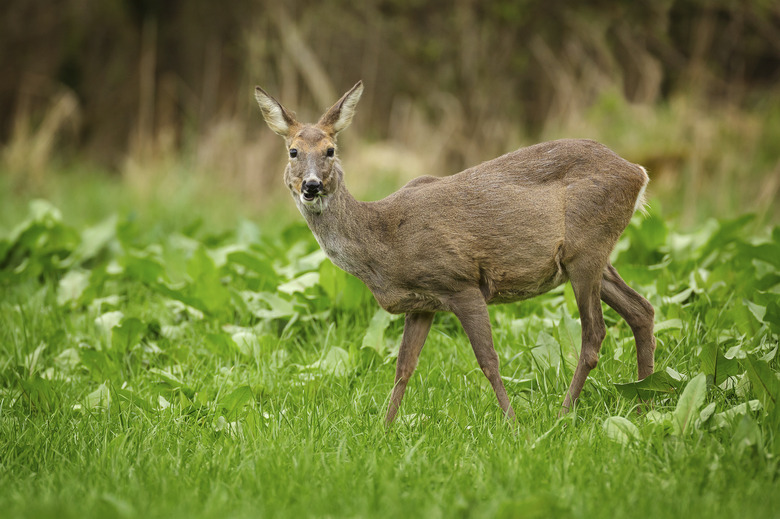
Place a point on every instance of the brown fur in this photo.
(505, 230)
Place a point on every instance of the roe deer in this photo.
(508, 229)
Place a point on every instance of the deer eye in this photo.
(329, 152)
(293, 153)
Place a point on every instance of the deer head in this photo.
(313, 173)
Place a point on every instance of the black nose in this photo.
(312, 187)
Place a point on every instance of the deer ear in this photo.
(276, 116)
(340, 115)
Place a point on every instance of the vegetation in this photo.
(166, 369)
(687, 88)
(174, 343)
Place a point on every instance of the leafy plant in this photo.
(248, 356)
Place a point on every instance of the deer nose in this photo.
(312, 187)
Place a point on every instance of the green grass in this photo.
(154, 366)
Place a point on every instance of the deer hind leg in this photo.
(587, 288)
(471, 310)
(638, 313)
(416, 328)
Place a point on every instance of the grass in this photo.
(158, 362)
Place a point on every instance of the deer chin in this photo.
(312, 205)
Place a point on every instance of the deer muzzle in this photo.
(311, 189)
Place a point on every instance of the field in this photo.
(173, 343)
(171, 358)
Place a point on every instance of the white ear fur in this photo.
(274, 113)
(340, 115)
(348, 106)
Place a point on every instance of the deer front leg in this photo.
(416, 328)
(471, 310)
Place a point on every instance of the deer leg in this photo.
(416, 328)
(587, 292)
(638, 313)
(473, 315)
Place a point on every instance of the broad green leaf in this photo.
(143, 268)
(374, 337)
(768, 252)
(247, 232)
(108, 320)
(344, 290)
(257, 264)
(236, 399)
(172, 381)
(205, 285)
(335, 362)
(39, 244)
(744, 319)
(67, 359)
(177, 251)
(716, 365)
(569, 333)
(620, 430)
(656, 383)
(521, 384)
(247, 343)
(129, 332)
(303, 264)
(707, 412)
(680, 297)
(547, 352)
(43, 210)
(747, 433)
(726, 418)
(71, 286)
(769, 281)
(93, 240)
(232, 428)
(647, 236)
(267, 305)
(5, 246)
(167, 377)
(772, 316)
(765, 383)
(688, 406)
(669, 324)
(659, 418)
(758, 311)
(728, 231)
(300, 284)
(101, 397)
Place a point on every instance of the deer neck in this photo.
(342, 230)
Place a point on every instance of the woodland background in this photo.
(135, 89)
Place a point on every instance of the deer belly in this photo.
(402, 301)
(509, 289)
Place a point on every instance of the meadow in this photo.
(170, 356)
(173, 343)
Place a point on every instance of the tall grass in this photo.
(702, 162)
(158, 367)
(171, 99)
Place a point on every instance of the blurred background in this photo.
(121, 103)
